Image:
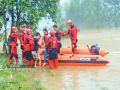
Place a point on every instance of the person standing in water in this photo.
(53, 47)
(45, 39)
(58, 35)
(29, 47)
(37, 44)
(72, 32)
(13, 44)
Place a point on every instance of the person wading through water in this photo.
(53, 50)
(37, 45)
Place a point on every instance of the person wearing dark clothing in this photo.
(58, 35)
(35, 53)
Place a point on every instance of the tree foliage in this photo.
(94, 13)
(28, 12)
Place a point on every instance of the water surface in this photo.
(88, 78)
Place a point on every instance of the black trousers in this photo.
(28, 55)
(53, 54)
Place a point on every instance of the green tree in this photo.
(29, 12)
(94, 13)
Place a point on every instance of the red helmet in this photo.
(14, 28)
(52, 32)
(69, 22)
(29, 31)
(23, 29)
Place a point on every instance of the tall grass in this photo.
(17, 79)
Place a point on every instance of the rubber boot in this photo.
(50, 62)
(28, 62)
(17, 60)
(75, 50)
(31, 62)
(10, 61)
(55, 63)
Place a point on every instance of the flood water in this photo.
(84, 77)
(87, 77)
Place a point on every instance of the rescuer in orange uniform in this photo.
(28, 47)
(22, 37)
(13, 44)
(72, 32)
(53, 53)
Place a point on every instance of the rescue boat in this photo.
(80, 60)
(82, 50)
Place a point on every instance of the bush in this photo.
(17, 79)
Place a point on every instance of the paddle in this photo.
(90, 50)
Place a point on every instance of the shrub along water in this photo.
(17, 79)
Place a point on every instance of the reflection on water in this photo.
(88, 78)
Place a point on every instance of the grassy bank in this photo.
(18, 79)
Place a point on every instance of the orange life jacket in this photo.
(29, 43)
(53, 42)
(13, 39)
(72, 32)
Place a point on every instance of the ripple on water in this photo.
(67, 80)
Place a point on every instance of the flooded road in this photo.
(88, 78)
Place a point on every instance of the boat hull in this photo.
(80, 60)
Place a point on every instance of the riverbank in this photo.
(15, 78)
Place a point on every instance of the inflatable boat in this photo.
(80, 60)
(82, 50)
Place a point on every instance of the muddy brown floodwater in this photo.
(88, 78)
(84, 77)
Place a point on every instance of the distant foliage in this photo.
(94, 13)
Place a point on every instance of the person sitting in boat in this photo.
(95, 49)
(53, 47)
(45, 39)
(58, 35)
(37, 44)
(72, 32)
